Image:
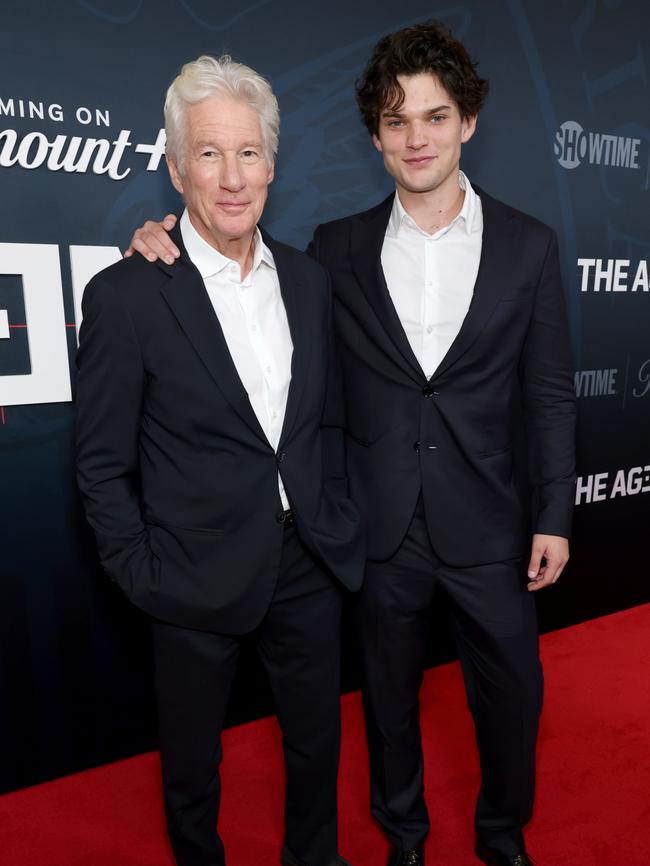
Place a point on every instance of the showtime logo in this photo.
(574, 146)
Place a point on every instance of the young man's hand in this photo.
(549, 555)
(153, 242)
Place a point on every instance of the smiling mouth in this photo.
(417, 161)
(232, 206)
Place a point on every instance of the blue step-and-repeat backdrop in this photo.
(565, 135)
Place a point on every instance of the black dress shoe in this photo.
(497, 858)
(287, 859)
(414, 857)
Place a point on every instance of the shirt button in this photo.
(253, 327)
(429, 329)
(268, 369)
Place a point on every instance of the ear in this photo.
(174, 174)
(271, 173)
(377, 143)
(468, 128)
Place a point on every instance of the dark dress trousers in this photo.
(452, 475)
(181, 487)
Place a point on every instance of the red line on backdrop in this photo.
(17, 326)
(2, 414)
(67, 324)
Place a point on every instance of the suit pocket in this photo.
(357, 440)
(185, 551)
(369, 438)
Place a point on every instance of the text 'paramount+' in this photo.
(33, 149)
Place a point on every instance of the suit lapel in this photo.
(367, 240)
(498, 231)
(186, 295)
(294, 301)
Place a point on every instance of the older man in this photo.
(215, 492)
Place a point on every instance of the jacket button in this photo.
(429, 392)
(281, 455)
(416, 446)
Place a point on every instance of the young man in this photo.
(454, 349)
(206, 472)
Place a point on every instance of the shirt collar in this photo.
(467, 218)
(210, 261)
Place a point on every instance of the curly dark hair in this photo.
(427, 47)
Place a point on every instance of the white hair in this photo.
(208, 76)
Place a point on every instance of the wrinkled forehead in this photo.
(221, 119)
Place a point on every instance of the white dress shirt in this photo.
(254, 322)
(431, 277)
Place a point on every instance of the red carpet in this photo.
(593, 804)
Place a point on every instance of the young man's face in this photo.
(421, 141)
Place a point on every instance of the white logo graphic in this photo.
(39, 267)
(643, 380)
(573, 146)
(71, 153)
(570, 144)
(613, 275)
(601, 486)
(595, 383)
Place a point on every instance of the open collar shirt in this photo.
(431, 278)
(254, 322)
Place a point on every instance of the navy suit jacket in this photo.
(494, 426)
(179, 481)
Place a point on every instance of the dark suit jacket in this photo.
(179, 481)
(506, 378)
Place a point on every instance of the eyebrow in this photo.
(396, 113)
(207, 143)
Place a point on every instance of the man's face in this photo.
(421, 141)
(226, 175)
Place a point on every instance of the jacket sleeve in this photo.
(109, 394)
(549, 402)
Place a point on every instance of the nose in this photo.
(416, 137)
(232, 178)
